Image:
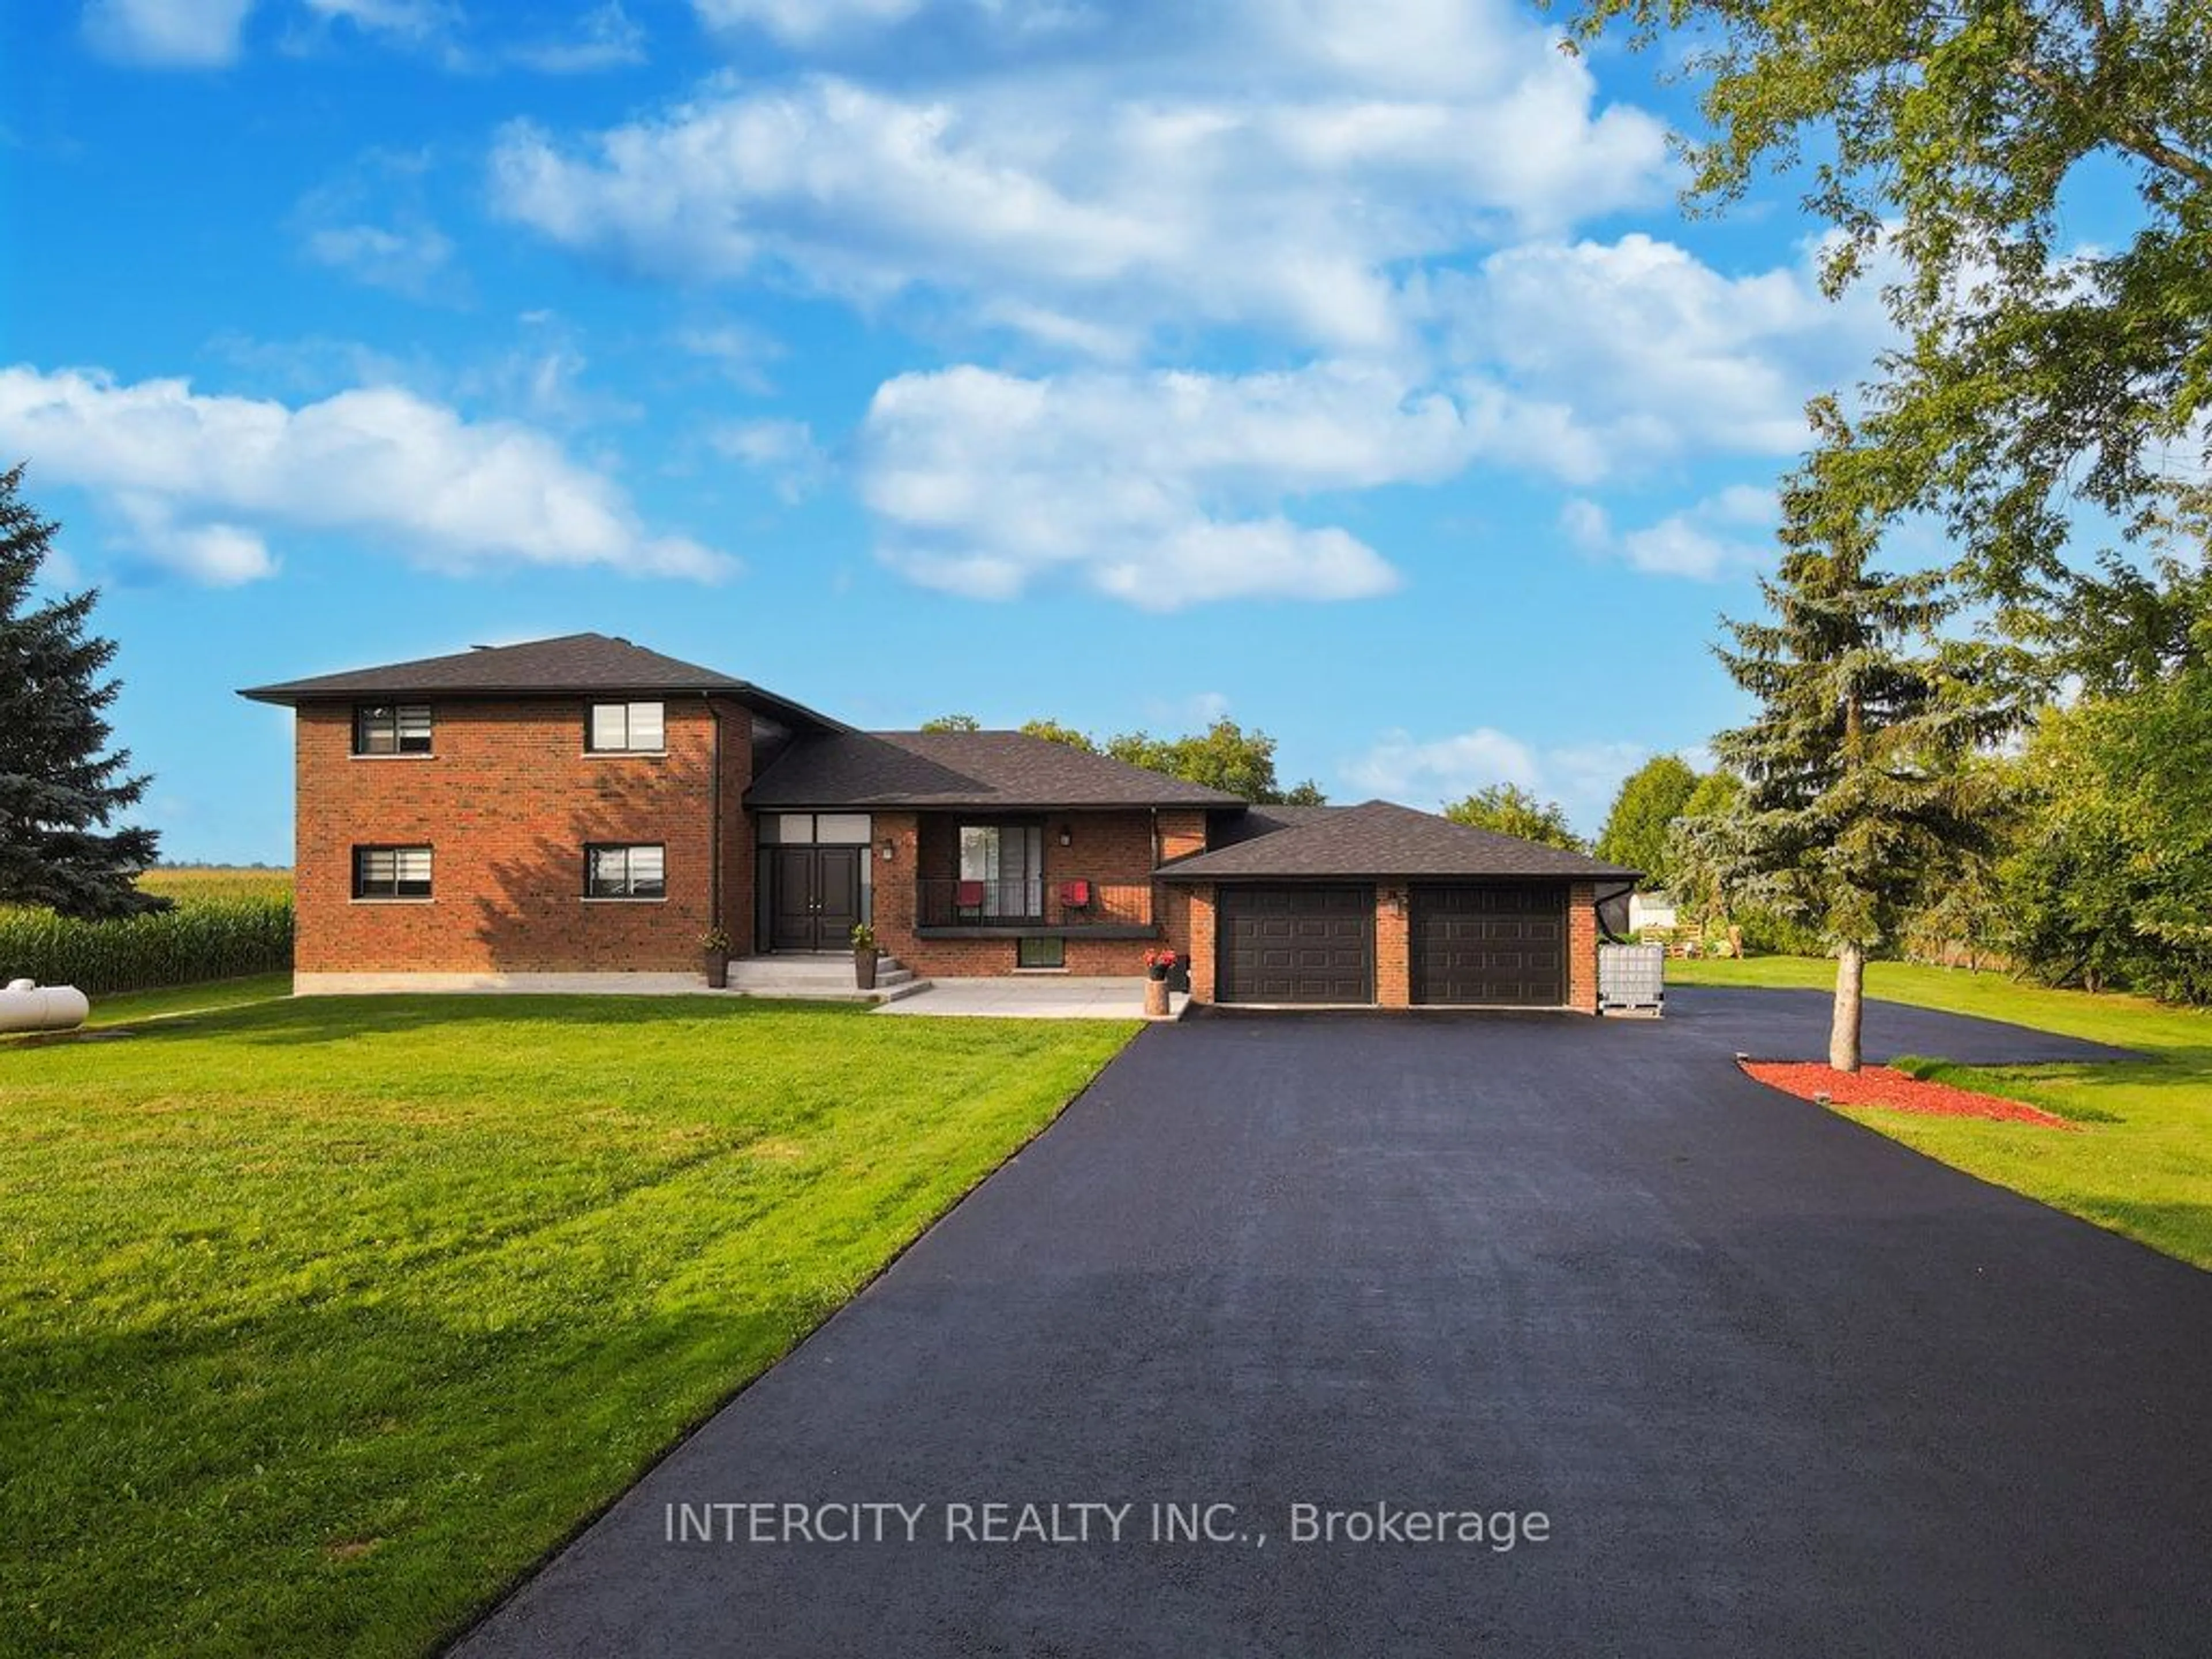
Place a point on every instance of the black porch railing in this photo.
(1032, 902)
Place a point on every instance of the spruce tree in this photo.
(58, 791)
(1853, 766)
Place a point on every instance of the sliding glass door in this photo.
(1006, 862)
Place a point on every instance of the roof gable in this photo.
(1378, 838)
(572, 665)
(1005, 771)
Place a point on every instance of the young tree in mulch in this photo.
(60, 787)
(1854, 765)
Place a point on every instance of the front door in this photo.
(814, 898)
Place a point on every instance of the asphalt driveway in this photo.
(1778, 1385)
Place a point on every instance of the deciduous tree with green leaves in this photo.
(1650, 799)
(1854, 765)
(2037, 374)
(1509, 809)
(60, 786)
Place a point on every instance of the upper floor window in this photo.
(625, 727)
(392, 728)
(389, 873)
(625, 873)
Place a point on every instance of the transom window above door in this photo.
(626, 728)
(814, 828)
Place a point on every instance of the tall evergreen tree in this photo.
(58, 791)
(1853, 766)
(1651, 798)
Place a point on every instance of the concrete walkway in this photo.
(1057, 997)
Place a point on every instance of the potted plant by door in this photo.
(864, 956)
(1158, 964)
(714, 947)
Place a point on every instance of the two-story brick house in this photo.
(518, 814)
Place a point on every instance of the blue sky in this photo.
(1344, 366)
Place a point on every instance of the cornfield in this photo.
(225, 923)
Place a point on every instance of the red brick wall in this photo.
(1111, 847)
(1198, 925)
(1581, 948)
(1394, 972)
(508, 801)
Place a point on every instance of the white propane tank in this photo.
(25, 1006)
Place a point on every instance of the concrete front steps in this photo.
(824, 978)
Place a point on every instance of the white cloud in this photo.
(409, 259)
(1728, 532)
(408, 20)
(605, 38)
(803, 21)
(1163, 490)
(1426, 771)
(167, 33)
(200, 481)
(1271, 165)
(1657, 355)
(784, 451)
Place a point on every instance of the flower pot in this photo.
(1157, 971)
(864, 969)
(1156, 996)
(717, 965)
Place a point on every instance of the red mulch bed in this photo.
(1892, 1091)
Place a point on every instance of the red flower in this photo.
(1160, 959)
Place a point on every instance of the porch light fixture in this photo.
(890, 847)
(1066, 838)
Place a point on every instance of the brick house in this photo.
(520, 815)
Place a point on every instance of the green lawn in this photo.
(2143, 1164)
(321, 1321)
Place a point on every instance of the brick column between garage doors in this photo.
(1393, 969)
(1581, 947)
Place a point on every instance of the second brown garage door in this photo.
(1499, 946)
(1297, 945)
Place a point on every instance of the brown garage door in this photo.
(1496, 945)
(1297, 945)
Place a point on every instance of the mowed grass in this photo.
(322, 1320)
(2142, 1165)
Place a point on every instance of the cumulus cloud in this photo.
(199, 482)
(1161, 488)
(1728, 532)
(167, 33)
(1657, 354)
(1138, 167)
(1425, 772)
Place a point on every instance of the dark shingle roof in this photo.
(1005, 770)
(574, 663)
(1378, 838)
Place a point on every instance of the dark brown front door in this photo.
(1496, 946)
(1296, 944)
(814, 898)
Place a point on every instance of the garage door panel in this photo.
(1499, 945)
(1297, 945)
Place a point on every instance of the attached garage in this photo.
(1296, 944)
(1489, 946)
(1380, 904)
